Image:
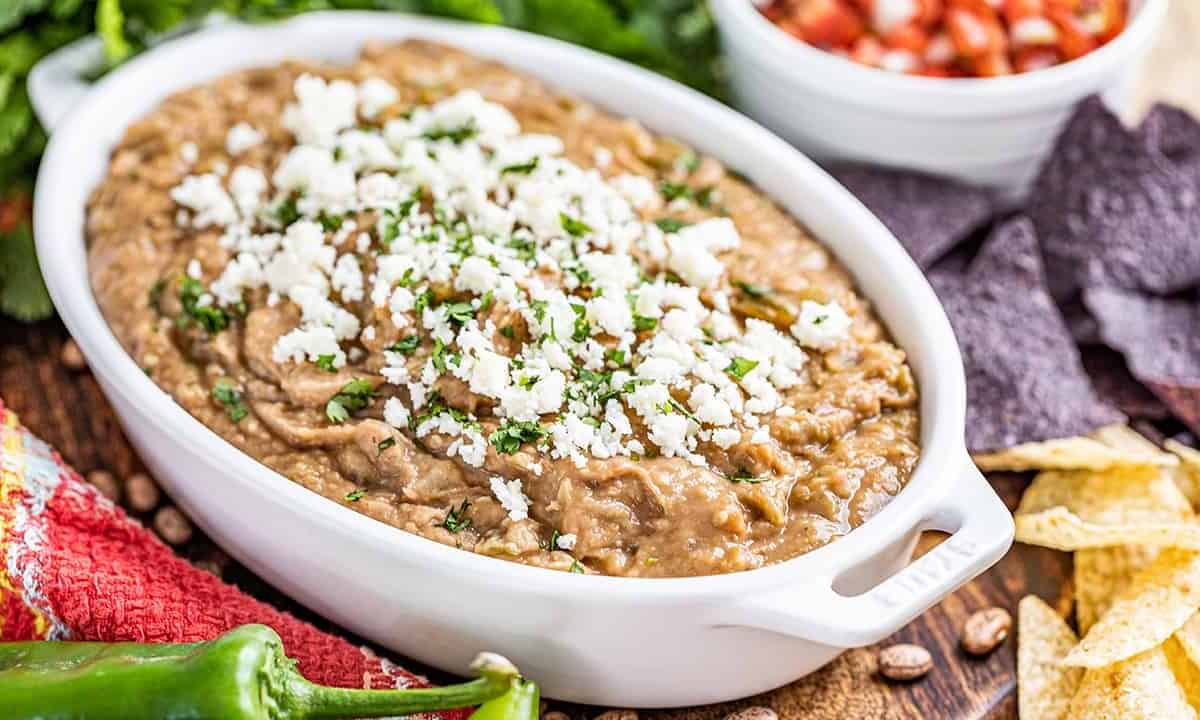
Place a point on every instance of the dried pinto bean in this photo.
(755, 712)
(985, 630)
(904, 662)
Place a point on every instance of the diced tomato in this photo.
(953, 38)
(829, 23)
(867, 50)
(992, 64)
(1073, 38)
(931, 12)
(1035, 58)
(1016, 10)
(909, 36)
(975, 34)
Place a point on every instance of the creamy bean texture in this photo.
(436, 291)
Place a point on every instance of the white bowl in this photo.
(604, 640)
(988, 131)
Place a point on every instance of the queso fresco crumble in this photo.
(373, 275)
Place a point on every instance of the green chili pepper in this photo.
(521, 702)
(242, 675)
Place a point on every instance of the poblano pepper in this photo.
(242, 675)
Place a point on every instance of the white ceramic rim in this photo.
(943, 403)
(770, 47)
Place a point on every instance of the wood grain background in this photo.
(68, 410)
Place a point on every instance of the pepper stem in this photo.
(309, 701)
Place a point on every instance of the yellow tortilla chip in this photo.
(1187, 674)
(1101, 574)
(1187, 475)
(1158, 601)
(1044, 687)
(1140, 688)
(1127, 506)
(1077, 453)
(1126, 439)
(1189, 638)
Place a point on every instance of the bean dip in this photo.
(438, 292)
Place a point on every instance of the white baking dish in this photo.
(617, 641)
(990, 131)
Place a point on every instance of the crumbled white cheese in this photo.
(375, 94)
(821, 326)
(511, 496)
(189, 153)
(242, 137)
(321, 110)
(206, 198)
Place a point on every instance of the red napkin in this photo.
(74, 566)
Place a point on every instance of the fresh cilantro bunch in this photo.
(673, 37)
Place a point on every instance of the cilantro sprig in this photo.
(227, 395)
(510, 436)
(354, 395)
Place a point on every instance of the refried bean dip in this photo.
(432, 289)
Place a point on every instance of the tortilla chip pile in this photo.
(1077, 312)
(1080, 308)
(1127, 510)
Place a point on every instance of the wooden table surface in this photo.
(68, 410)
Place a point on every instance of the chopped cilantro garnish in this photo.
(740, 367)
(354, 395)
(754, 291)
(508, 332)
(225, 393)
(486, 302)
(582, 328)
(581, 273)
(673, 405)
(690, 161)
(526, 382)
(521, 168)
(456, 135)
(552, 543)
(573, 226)
(386, 444)
(406, 345)
(456, 518)
(509, 437)
(526, 249)
(704, 196)
(615, 356)
(424, 299)
(439, 355)
(213, 319)
(287, 212)
(539, 309)
(155, 294)
(674, 191)
(459, 312)
(325, 362)
(330, 223)
(743, 476)
(641, 323)
(670, 225)
(355, 495)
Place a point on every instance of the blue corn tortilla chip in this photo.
(1159, 339)
(1120, 208)
(1112, 380)
(929, 215)
(1025, 382)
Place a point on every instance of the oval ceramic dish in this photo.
(616, 641)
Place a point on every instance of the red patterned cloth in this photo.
(74, 566)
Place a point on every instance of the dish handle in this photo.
(59, 80)
(982, 530)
